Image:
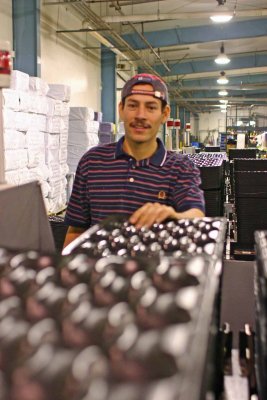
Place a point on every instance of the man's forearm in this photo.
(72, 234)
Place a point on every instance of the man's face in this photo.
(142, 115)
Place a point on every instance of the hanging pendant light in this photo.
(222, 57)
(222, 13)
(222, 80)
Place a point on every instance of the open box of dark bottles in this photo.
(122, 314)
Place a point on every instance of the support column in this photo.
(182, 117)
(26, 36)
(108, 79)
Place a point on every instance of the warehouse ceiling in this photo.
(177, 40)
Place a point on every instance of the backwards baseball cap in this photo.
(160, 89)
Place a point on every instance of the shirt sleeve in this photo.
(188, 193)
(78, 209)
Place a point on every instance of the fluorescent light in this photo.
(222, 80)
(223, 101)
(222, 57)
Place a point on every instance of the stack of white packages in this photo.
(56, 141)
(83, 134)
(28, 134)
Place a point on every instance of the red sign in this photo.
(170, 123)
(5, 62)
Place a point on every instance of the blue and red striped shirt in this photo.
(110, 182)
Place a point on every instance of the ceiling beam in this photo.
(200, 34)
(190, 67)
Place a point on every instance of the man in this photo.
(136, 176)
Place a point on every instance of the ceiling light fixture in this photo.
(222, 80)
(223, 93)
(222, 57)
(223, 101)
(222, 13)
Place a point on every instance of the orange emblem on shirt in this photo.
(162, 195)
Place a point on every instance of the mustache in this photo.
(139, 123)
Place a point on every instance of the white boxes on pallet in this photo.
(36, 136)
(38, 86)
(79, 127)
(81, 114)
(59, 92)
(16, 159)
(83, 134)
(20, 81)
(14, 139)
(10, 99)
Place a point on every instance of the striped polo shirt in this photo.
(108, 182)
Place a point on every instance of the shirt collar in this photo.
(157, 159)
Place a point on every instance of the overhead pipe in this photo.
(147, 43)
(91, 17)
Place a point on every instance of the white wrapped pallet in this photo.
(25, 101)
(24, 121)
(51, 156)
(9, 119)
(82, 126)
(52, 140)
(59, 92)
(11, 99)
(15, 159)
(81, 113)
(36, 135)
(19, 81)
(38, 86)
(35, 138)
(14, 139)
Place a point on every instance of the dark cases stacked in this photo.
(127, 314)
(211, 166)
(261, 313)
(250, 195)
(242, 153)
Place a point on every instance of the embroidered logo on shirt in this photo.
(162, 195)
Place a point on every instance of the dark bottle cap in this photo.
(12, 307)
(119, 317)
(145, 360)
(77, 270)
(138, 285)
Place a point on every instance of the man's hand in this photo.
(151, 213)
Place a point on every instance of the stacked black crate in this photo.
(242, 153)
(239, 154)
(261, 313)
(127, 314)
(250, 197)
(212, 169)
